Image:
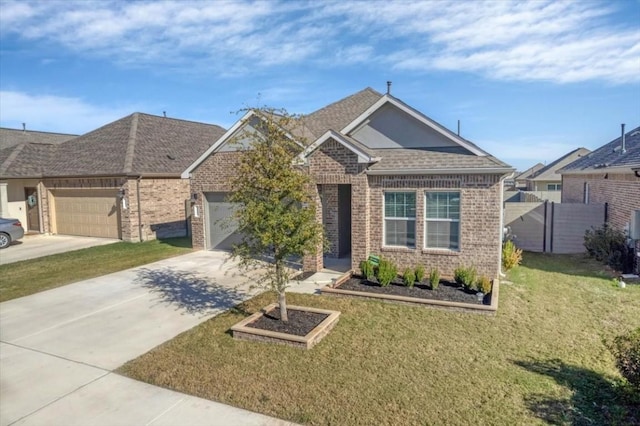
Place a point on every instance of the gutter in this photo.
(467, 171)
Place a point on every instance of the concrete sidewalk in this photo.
(58, 348)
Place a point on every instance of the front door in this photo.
(33, 215)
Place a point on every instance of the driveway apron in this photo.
(58, 347)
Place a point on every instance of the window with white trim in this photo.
(554, 187)
(442, 220)
(400, 219)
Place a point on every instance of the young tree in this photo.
(276, 213)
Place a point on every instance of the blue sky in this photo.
(529, 81)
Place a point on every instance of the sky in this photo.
(529, 81)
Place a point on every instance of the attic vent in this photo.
(171, 157)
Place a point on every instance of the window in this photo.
(400, 219)
(442, 220)
(554, 187)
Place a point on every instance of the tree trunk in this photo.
(282, 301)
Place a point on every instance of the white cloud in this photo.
(55, 113)
(547, 40)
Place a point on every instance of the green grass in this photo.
(32, 276)
(540, 359)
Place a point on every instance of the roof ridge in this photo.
(131, 144)
(177, 119)
(369, 89)
(38, 131)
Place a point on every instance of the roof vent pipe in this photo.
(624, 147)
(164, 113)
(24, 127)
(388, 87)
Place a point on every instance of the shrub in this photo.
(484, 285)
(419, 273)
(607, 245)
(408, 277)
(466, 277)
(387, 271)
(511, 255)
(367, 269)
(434, 278)
(626, 351)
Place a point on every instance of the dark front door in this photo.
(33, 216)
(344, 220)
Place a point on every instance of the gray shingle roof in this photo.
(419, 159)
(610, 155)
(550, 171)
(530, 171)
(13, 137)
(337, 115)
(136, 144)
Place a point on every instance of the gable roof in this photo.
(530, 171)
(550, 171)
(13, 137)
(610, 156)
(139, 144)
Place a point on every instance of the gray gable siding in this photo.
(389, 127)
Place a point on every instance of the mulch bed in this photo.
(300, 322)
(446, 291)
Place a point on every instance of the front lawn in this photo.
(540, 359)
(35, 275)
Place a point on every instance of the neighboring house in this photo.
(33, 148)
(389, 181)
(520, 179)
(119, 181)
(547, 178)
(610, 174)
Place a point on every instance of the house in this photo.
(520, 179)
(608, 175)
(389, 181)
(547, 178)
(119, 181)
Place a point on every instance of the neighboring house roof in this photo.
(341, 120)
(527, 173)
(550, 171)
(610, 156)
(139, 144)
(13, 137)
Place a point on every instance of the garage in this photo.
(221, 229)
(88, 213)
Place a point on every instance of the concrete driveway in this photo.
(33, 246)
(58, 347)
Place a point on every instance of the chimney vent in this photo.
(388, 87)
(624, 147)
(24, 127)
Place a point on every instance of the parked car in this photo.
(10, 230)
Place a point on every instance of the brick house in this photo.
(119, 181)
(388, 181)
(610, 175)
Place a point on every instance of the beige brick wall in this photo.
(480, 233)
(621, 191)
(213, 175)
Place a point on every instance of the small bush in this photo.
(367, 269)
(434, 278)
(387, 271)
(466, 277)
(484, 285)
(607, 245)
(511, 255)
(419, 273)
(408, 277)
(626, 351)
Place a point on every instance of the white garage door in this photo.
(90, 213)
(221, 228)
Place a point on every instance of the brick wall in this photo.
(213, 175)
(480, 233)
(329, 196)
(621, 191)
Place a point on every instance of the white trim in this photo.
(363, 157)
(459, 220)
(415, 114)
(216, 144)
(493, 170)
(384, 219)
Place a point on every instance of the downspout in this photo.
(501, 234)
(139, 208)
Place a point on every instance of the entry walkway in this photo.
(58, 348)
(333, 269)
